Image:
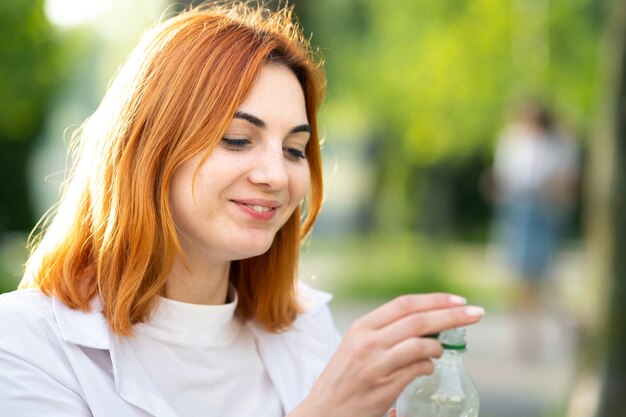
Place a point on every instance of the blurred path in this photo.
(509, 386)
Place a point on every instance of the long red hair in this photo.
(112, 234)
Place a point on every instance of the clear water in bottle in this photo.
(449, 391)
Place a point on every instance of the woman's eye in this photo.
(235, 144)
(294, 154)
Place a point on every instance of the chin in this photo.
(253, 247)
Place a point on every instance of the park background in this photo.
(418, 92)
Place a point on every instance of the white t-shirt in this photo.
(528, 162)
(204, 360)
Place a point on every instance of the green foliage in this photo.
(13, 255)
(31, 64)
(32, 67)
(437, 74)
(430, 81)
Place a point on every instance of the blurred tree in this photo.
(607, 203)
(432, 78)
(31, 66)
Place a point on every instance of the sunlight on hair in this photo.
(112, 234)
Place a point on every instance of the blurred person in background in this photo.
(166, 283)
(535, 175)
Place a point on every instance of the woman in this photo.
(165, 283)
(535, 174)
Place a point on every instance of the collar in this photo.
(89, 329)
(199, 325)
(293, 359)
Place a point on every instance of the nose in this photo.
(270, 169)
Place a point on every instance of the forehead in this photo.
(276, 96)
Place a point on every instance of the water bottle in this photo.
(449, 391)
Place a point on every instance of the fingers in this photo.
(391, 412)
(408, 304)
(403, 376)
(384, 351)
(411, 350)
(429, 322)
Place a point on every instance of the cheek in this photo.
(300, 183)
(181, 193)
(180, 199)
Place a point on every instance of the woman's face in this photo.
(251, 183)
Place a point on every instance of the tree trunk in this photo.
(613, 397)
(606, 317)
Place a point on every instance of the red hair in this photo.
(113, 235)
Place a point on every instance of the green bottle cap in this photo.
(448, 346)
(453, 339)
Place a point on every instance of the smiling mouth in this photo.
(259, 209)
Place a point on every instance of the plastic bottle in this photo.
(449, 391)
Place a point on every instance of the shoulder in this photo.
(29, 334)
(36, 371)
(314, 304)
(314, 325)
(30, 320)
(25, 309)
(310, 299)
(316, 319)
(27, 322)
(294, 358)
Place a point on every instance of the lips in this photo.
(259, 209)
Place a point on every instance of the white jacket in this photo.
(55, 361)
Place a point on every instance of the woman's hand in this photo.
(382, 352)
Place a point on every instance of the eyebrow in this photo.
(261, 124)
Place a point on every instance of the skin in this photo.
(382, 352)
(245, 191)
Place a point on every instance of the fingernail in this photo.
(455, 299)
(475, 311)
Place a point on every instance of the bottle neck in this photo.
(453, 354)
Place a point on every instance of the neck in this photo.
(453, 354)
(199, 283)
